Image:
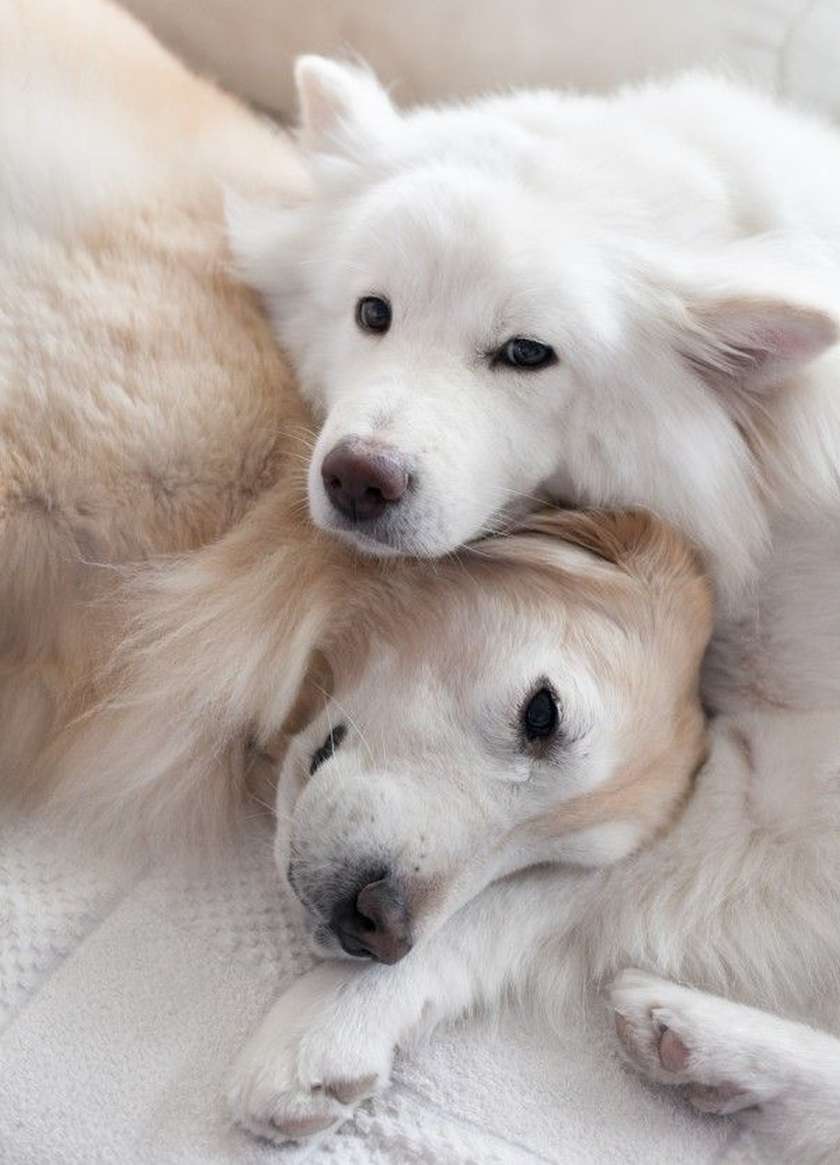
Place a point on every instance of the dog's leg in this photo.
(329, 1041)
(781, 1078)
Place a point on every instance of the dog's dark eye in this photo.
(329, 746)
(540, 717)
(373, 314)
(528, 355)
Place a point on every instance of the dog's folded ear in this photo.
(633, 540)
(750, 314)
(341, 104)
(751, 342)
(652, 553)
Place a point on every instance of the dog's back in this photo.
(141, 396)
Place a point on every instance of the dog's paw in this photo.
(315, 1056)
(680, 1036)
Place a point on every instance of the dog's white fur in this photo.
(644, 236)
(678, 245)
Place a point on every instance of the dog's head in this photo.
(535, 702)
(505, 301)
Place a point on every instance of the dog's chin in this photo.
(373, 544)
(393, 537)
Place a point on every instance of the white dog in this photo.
(607, 301)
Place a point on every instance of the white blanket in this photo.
(125, 994)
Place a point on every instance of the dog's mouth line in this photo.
(364, 537)
(507, 518)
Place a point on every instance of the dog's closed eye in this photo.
(326, 750)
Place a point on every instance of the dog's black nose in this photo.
(362, 478)
(373, 922)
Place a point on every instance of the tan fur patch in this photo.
(648, 792)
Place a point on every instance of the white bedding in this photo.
(125, 993)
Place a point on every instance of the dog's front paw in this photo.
(677, 1035)
(317, 1054)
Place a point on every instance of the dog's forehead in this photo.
(458, 206)
(428, 215)
(484, 641)
(452, 241)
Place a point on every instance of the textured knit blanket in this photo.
(126, 992)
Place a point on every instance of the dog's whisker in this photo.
(259, 801)
(516, 493)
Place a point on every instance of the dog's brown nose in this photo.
(363, 478)
(373, 923)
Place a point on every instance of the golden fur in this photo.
(143, 404)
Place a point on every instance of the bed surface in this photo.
(126, 992)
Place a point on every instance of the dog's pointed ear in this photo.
(752, 342)
(633, 540)
(339, 104)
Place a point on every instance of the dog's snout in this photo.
(373, 922)
(362, 478)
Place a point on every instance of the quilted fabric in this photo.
(126, 992)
